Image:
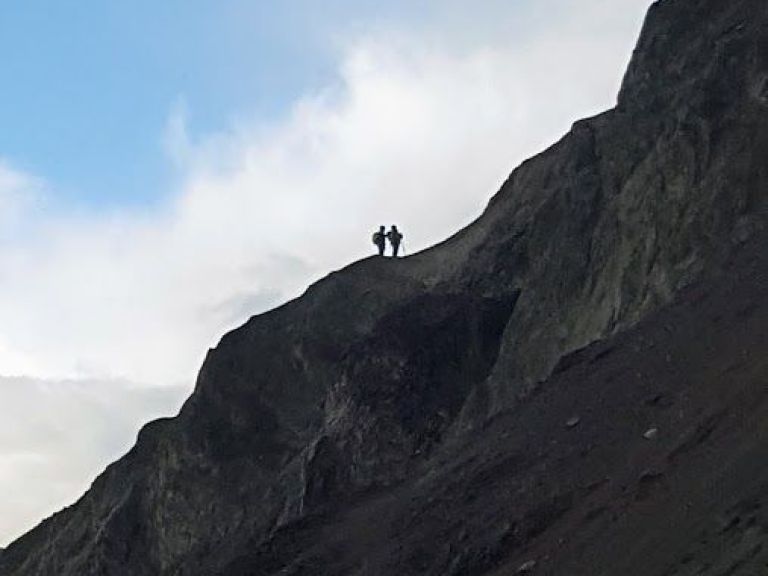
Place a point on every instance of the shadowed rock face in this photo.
(407, 416)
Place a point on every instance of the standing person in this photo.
(380, 239)
(394, 238)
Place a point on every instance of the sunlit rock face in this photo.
(483, 407)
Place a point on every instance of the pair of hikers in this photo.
(394, 236)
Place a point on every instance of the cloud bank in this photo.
(417, 128)
(56, 436)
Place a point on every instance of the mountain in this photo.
(573, 384)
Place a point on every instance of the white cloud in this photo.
(419, 128)
(20, 193)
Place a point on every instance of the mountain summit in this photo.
(573, 384)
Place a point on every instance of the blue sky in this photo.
(89, 84)
(168, 169)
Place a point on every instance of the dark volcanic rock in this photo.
(407, 417)
(599, 498)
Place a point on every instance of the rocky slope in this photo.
(643, 454)
(481, 406)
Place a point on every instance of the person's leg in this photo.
(381, 248)
(395, 248)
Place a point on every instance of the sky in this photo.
(168, 170)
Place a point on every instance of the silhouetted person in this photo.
(380, 239)
(394, 238)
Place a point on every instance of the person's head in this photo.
(394, 227)
(381, 228)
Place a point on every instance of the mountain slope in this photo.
(569, 479)
(316, 429)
